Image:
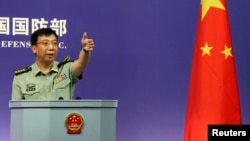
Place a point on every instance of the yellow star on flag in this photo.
(206, 50)
(207, 4)
(227, 52)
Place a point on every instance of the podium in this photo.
(61, 120)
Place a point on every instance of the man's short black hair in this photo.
(41, 32)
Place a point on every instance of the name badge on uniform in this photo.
(30, 87)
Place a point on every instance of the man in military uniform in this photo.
(47, 78)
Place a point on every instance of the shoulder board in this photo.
(23, 70)
(64, 61)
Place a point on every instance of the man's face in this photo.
(46, 48)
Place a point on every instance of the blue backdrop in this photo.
(142, 57)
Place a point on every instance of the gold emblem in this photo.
(74, 123)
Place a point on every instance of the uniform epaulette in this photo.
(23, 70)
(64, 61)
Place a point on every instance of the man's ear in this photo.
(33, 47)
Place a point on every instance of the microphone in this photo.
(78, 98)
(60, 98)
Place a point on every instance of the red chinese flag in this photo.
(213, 96)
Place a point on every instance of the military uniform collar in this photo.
(37, 71)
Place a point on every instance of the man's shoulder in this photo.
(22, 70)
(64, 61)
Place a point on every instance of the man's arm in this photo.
(87, 47)
(16, 92)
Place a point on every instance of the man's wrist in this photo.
(84, 50)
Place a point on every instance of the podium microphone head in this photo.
(60, 98)
(78, 98)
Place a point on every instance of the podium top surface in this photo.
(62, 103)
